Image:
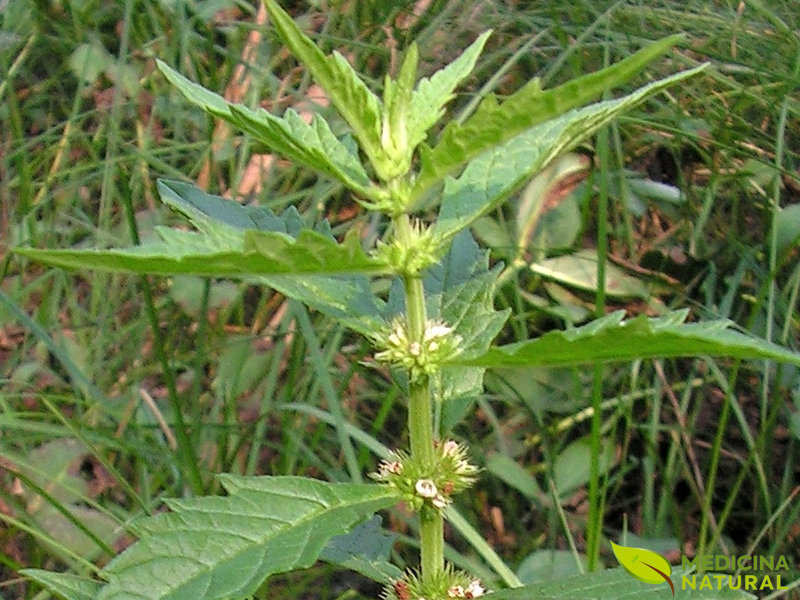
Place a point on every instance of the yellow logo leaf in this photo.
(643, 564)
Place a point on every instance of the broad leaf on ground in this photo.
(494, 123)
(612, 339)
(225, 547)
(615, 584)
(492, 177)
(311, 144)
(65, 585)
(579, 270)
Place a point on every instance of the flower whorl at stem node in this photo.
(428, 487)
(414, 254)
(419, 358)
(449, 584)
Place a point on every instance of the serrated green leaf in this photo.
(256, 253)
(459, 290)
(348, 93)
(313, 145)
(223, 226)
(495, 123)
(493, 176)
(612, 339)
(613, 584)
(65, 585)
(233, 241)
(225, 547)
(365, 549)
(433, 93)
(396, 106)
(347, 298)
(208, 212)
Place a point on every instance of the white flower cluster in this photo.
(419, 358)
(445, 585)
(473, 590)
(433, 485)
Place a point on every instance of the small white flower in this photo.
(435, 330)
(464, 468)
(440, 501)
(450, 448)
(415, 349)
(475, 589)
(455, 591)
(387, 467)
(426, 488)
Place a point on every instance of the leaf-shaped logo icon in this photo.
(644, 564)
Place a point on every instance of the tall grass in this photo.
(117, 392)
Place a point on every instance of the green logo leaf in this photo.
(644, 564)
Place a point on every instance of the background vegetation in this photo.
(704, 187)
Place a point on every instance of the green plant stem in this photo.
(596, 500)
(420, 415)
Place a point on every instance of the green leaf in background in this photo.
(313, 145)
(432, 94)
(225, 547)
(571, 468)
(512, 473)
(59, 505)
(612, 339)
(365, 549)
(579, 270)
(459, 290)
(550, 565)
(90, 60)
(788, 227)
(224, 247)
(348, 93)
(542, 198)
(64, 585)
(494, 123)
(492, 177)
(187, 292)
(612, 584)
